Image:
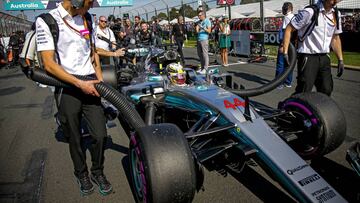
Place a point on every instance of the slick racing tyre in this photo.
(318, 123)
(161, 165)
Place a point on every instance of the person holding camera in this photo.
(103, 47)
(203, 28)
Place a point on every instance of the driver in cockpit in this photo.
(176, 74)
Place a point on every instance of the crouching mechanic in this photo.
(72, 55)
(315, 36)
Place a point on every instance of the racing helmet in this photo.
(176, 74)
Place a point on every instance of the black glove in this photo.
(340, 68)
(286, 60)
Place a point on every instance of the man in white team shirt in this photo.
(76, 52)
(314, 65)
(103, 47)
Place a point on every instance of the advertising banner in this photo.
(14, 5)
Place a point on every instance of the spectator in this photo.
(203, 28)
(313, 47)
(137, 25)
(224, 40)
(287, 10)
(103, 47)
(14, 43)
(157, 32)
(178, 36)
(144, 36)
(129, 29)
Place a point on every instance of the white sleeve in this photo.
(32, 48)
(302, 19)
(286, 21)
(339, 31)
(44, 39)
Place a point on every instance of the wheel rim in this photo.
(138, 172)
(305, 120)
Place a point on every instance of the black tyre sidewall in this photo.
(331, 117)
(169, 166)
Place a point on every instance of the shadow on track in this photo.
(250, 77)
(343, 179)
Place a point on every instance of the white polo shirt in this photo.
(73, 49)
(287, 19)
(30, 47)
(108, 34)
(319, 40)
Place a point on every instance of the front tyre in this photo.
(319, 121)
(161, 165)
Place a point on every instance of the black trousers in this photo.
(179, 43)
(73, 104)
(314, 69)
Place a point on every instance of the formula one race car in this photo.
(180, 122)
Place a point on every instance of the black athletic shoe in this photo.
(104, 185)
(86, 187)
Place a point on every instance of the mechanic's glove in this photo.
(340, 68)
(286, 60)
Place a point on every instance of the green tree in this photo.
(174, 13)
(188, 10)
(162, 16)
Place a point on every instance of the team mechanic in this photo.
(314, 65)
(74, 50)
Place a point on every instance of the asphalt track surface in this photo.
(36, 166)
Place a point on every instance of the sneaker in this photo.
(286, 85)
(104, 185)
(280, 87)
(86, 187)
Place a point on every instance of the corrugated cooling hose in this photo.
(107, 92)
(272, 84)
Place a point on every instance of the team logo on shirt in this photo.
(298, 17)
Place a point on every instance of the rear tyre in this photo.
(162, 166)
(320, 122)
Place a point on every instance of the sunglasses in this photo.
(104, 21)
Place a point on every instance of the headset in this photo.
(77, 3)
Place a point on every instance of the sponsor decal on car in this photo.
(294, 170)
(236, 103)
(309, 179)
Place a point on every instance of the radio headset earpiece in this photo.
(77, 3)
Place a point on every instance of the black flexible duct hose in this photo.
(274, 83)
(105, 91)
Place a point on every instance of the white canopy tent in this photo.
(186, 20)
(267, 14)
(164, 22)
(218, 12)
